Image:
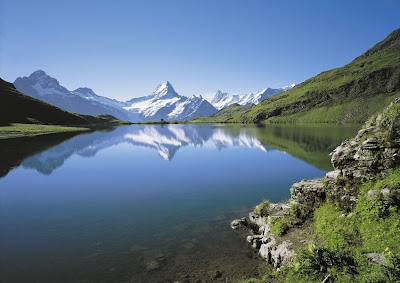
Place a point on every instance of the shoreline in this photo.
(288, 235)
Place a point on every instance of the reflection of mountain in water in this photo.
(165, 140)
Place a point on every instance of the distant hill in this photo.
(344, 95)
(16, 107)
(223, 114)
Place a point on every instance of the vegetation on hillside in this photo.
(344, 238)
(17, 130)
(222, 115)
(349, 94)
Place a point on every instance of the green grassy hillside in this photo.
(222, 115)
(16, 107)
(349, 94)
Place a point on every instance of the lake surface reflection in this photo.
(147, 203)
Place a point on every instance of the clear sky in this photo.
(123, 49)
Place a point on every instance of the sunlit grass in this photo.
(16, 130)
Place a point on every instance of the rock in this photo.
(239, 223)
(376, 257)
(278, 255)
(394, 130)
(255, 240)
(385, 192)
(307, 195)
(282, 254)
(373, 194)
(215, 274)
(152, 265)
(343, 154)
(266, 248)
(334, 174)
(258, 222)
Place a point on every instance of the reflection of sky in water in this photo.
(165, 140)
(125, 194)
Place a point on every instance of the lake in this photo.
(147, 203)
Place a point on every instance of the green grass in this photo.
(18, 130)
(222, 115)
(279, 225)
(373, 227)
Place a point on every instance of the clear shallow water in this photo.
(101, 206)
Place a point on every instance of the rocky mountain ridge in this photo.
(163, 103)
(222, 100)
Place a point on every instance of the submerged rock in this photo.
(239, 223)
(152, 265)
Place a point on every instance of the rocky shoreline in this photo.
(278, 230)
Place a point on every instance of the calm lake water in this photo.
(113, 205)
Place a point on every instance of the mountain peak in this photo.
(38, 74)
(165, 90)
(85, 90)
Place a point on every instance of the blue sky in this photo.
(123, 49)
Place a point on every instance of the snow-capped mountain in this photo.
(222, 100)
(82, 100)
(165, 103)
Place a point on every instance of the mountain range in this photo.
(163, 103)
(222, 99)
(16, 107)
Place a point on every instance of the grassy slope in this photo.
(222, 115)
(344, 95)
(17, 130)
(374, 228)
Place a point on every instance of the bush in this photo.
(262, 208)
(279, 225)
(315, 263)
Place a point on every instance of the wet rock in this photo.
(189, 245)
(159, 257)
(215, 274)
(152, 265)
(239, 223)
(255, 240)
